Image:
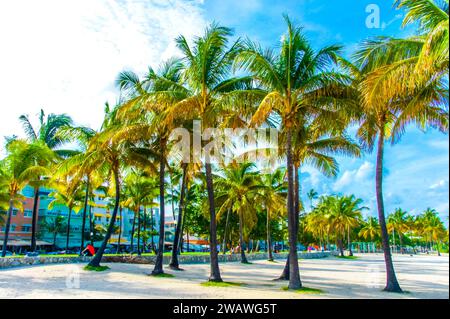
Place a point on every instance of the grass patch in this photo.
(164, 275)
(92, 268)
(347, 257)
(305, 290)
(221, 284)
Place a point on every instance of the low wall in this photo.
(192, 259)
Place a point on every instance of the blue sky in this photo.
(66, 55)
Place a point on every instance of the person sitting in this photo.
(88, 251)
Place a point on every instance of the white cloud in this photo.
(440, 184)
(349, 177)
(64, 56)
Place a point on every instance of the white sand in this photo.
(421, 276)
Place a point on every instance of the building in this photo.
(99, 214)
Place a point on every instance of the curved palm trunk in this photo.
(241, 238)
(120, 231)
(83, 224)
(215, 270)
(68, 228)
(294, 273)
(159, 258)
(7, 228)
(174, 263)
(392, 284)
(269, 237)
(34, 219)
(95, 262)
(224, 244)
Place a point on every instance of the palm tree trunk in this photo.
(83, 224)
(34, 219)
(7, 228)
(95, 262)
(241, 238)
(152, 224)
(139, 230)
(91, 226)
(174, 263)
(341, 246)
(120, 231)
(132, 233)
(294, 273)
(68, 228)
(350, 252)
(224, 245)
(392, 284)
(159, 258)
(215, 270)
(269, 237)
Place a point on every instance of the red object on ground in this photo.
(91, 249)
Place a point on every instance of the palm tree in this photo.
(54, 225)
(208, 73)
(273, 199)
(345, 213)
(46, 133)
(18, 169)
(237, 186)
(109, 155)
(67, 193)
(388, 109)
(297, 85)
(312, 195)
(432, 227)
(371, 229)
(397, 223)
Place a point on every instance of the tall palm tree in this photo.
(208, 73)
(388, 109)
(46, 133)
(18, 169)
(109, 156)
(297, 85)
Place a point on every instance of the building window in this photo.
(26, 228)
(14, 212)
(13, 227)
(28, 213)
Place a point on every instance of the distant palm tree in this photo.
(54, 225)
(67, 193)
(17, 170)
(345, 213)
(273, 199)
(371, 229)
(312, 195)
(237, 188)
(397, 223)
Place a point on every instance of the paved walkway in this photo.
(421, 276)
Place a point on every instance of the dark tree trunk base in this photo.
(176, 268)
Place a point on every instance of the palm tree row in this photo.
(311, 96)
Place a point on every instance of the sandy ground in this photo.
(421, 276)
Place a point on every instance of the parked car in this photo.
(32, 254)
